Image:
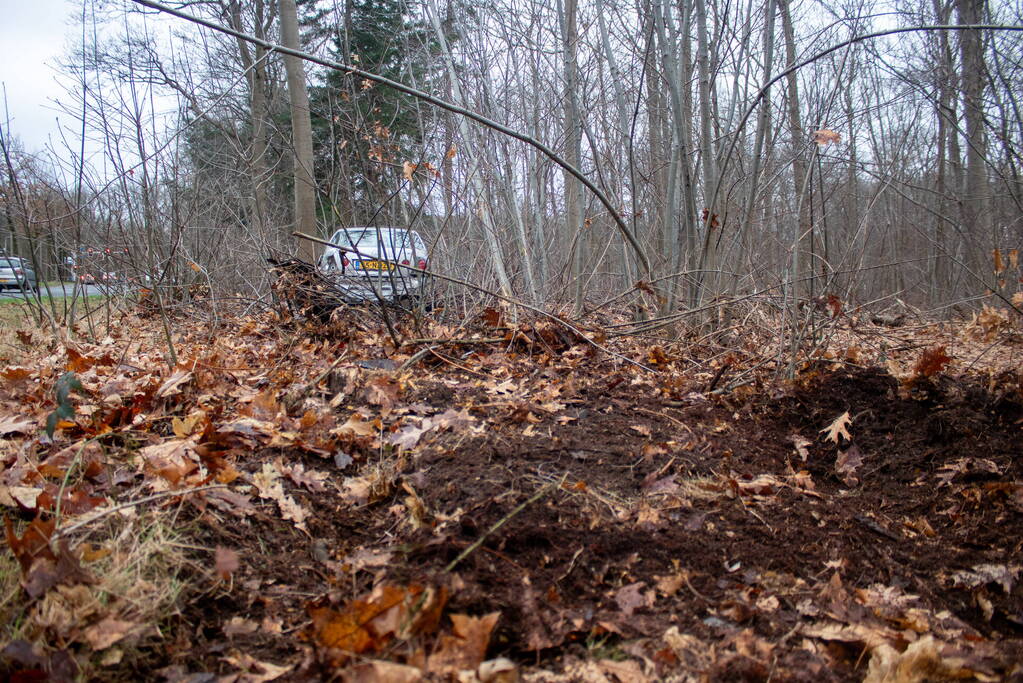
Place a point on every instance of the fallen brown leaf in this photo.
(226, 561)
(839, 429)
(102, 635)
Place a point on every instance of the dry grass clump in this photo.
(10, 590)
(136, 577)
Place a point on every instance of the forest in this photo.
(700, 359)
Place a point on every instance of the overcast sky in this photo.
(33, 36)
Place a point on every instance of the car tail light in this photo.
(344, 262)
(404, 262)
(19, 271)
(422, 264)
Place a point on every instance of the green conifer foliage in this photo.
(363, 132)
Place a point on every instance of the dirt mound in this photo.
(706, 533)
(323, 512)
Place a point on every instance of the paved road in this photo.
(56, 291)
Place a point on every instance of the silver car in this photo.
(17, 273)
(369, 263)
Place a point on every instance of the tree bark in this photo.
(255, 70)
(489, 225)
(976, 219)
(301, 131)
(575, 231)
(802, 241)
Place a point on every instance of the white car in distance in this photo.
(365, 264)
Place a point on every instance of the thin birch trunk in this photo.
(489, 226)
(575, 231)
(301, 131)
(976, 217)
(255, 70)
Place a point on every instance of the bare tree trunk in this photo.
(489, 226)
(708, 158)
(301, 130)
(681, 212)
(975, 215)
(575, 232)
(255, 70)
(763, 120)
(802, 242)
(623, 127)
(945, 113)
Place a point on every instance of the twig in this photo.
(415, 358)
(501, 522)
(489, 340)
(312, 385)
(433, 350)
(877, 528)
(141, 501)
(695, 592)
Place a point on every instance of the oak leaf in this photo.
(268, 483)
(15, 373)
(33, 543)
(931, 362)
(453, 419)
(466, 647)
(185, 427)
(839, 429)
(256, 671)
(981, 574)
(802, 446)
(230, 501)
(358, 426)
(825, 137)
(627, 671)
(383, 391)
(409, 435)
(310, 479)
(388, 612)
(239, 626)
(642, 430)
(382, 670)
(23, 496)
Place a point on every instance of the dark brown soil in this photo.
(764, 546)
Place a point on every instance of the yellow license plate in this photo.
(376, 265)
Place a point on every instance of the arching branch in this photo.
(426, 97)
(824, 53)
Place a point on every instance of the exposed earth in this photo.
(530, 509)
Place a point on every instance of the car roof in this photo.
(370, 228)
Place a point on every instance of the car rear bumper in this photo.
(362, 288)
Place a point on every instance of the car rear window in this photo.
(369, 238)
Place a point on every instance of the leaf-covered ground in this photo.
(303, 501)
